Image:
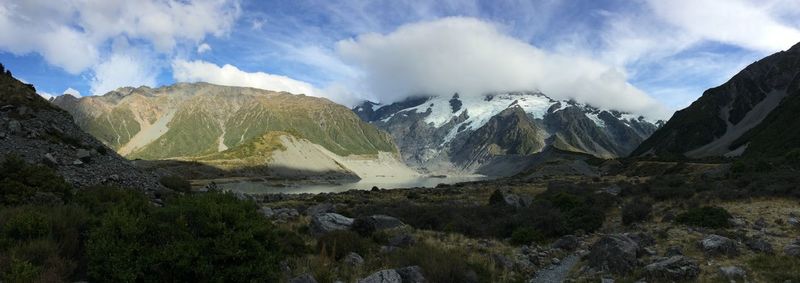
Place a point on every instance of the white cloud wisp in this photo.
(229, 75)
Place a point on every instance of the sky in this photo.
(648, 57)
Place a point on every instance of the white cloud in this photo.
(473, 57)
(69, 34)
(201, 71)
(122, 70)
(203, 48)
(45, 95)
(72, 91)
(751, 24)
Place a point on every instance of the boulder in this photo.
(676, 268)
(759, 245)
(369, 224)
(642, 239)
(567, 243)
(84, 155)
(733, 273)
(673, 251)
(760, 224)
(49, 160)
(383, 276)
(353, 259)
(503, 198)
(714, 245)
(402, 240)
(319, 208)
(305, 278)
(614, 253)
(324, 223)
(792, 250)
(794, 222)
(411, 274)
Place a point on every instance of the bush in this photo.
(209, 237)
(709, 217)
(22, 183)
(526, 236)
(338, 244)
(636, 211)
(176, 183)
(440, 265)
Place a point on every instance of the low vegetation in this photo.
(709, 217)
(109, 234)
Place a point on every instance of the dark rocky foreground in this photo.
(657, 221)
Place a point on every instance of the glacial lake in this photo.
(250, 187)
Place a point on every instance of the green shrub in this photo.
(440, 265)
(776, 268)
(710, 217)
(25, 223)
(636, 211)
(209, 237)
(526, 236)
(21, 182)
(176, 183)
(338, 244)
(17, 270)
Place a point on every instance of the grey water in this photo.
(250, 187)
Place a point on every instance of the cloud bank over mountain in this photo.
(474, 57)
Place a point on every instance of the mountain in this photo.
(502, 130)
(234, 128)
(39, 133)
(752, 114)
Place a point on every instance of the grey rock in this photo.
(383, 276)
(49, 160)
(792, 250)
(77, 162)
(328, 222)
(319, 208)
(678, 268)
(503, 261)
(759, 245)
(714, 245)
(412, 274)
(369, 224)
(733, 273)
(612, 190)
(642, 239)
(353, 259)
(673, 251)
(567, 243)
(15, 127)
(387, 249)
(614, 253)
(285, 214)
(607, 280)
(305, 278)
(84, 155)
(267, 212)
(760, 223)
(402, 240)
(504, 198)
(794, 222)
(737, 222)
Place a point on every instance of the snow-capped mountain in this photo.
(751, 114)
(466, 133)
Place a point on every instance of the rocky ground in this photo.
(32, 129)
(762, 232)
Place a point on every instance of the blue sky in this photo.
(645, 56)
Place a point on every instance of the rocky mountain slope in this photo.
(472, 134)
(36, 131)
(752, 114)
(230, 127)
